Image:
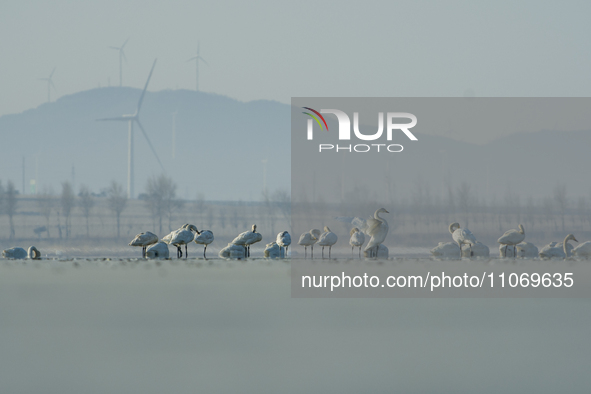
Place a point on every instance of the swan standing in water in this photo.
(168, 238)
(560, 250)
(309, 239)
(248, 238)
(144, 240)
(328, 238)
(20, 253)
(203, 237)
(462, 236)
(512, 237)
(583, 250)
(377, 229)
(182, 236)
(357, 240)
(158, 250)
(284, 240)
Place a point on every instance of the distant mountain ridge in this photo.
(221, 142)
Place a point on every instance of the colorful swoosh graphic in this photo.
(315, 118)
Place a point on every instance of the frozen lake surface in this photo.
(126, 326)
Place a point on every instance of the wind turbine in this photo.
(131, 119)
(49, 85)
(121, 57)
(197, 58)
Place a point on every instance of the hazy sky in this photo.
(276, 50)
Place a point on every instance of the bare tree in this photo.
(10, 206)
(222, 218)
(530, 209)
(67, 202)
(267, 211)
(200, 205)
(560, 200)
(86, 205)
(283, 202)
(117, 200)
(450, 203)
(582, 209)
(46, 203)
(210, 218)
(161, 199)
(465, 199)
(549, 212)
(234, 218)
(173, 206)
(512, 207)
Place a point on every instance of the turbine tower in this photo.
(121, 57)
(131, 119)
(197, 58)
(49, 85)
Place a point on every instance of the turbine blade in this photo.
(52, 85)
(191, 59)
(117, 48)
(122, 46)
(124, 57)
(139, 104)
(203, 60)
(149, 143)
(51, 75)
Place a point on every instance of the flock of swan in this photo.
(465, 245)
(511, 243)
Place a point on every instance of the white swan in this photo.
(462, 236)
(248, 238)
(309, 239)
(328, 238)
(20, 253)
(477, 249)
(446, 250)
(559, 250)
(504, 252)
(184, 236)
(159, 250)
(377, 229)
(583, 250)
(233, 251)
(357, 240)
(284, 240)
(144, 240)
(167, 238)
(526, 249)
(273, 251)
(512, 237)
(203, 237)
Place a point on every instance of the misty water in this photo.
(122, 325)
